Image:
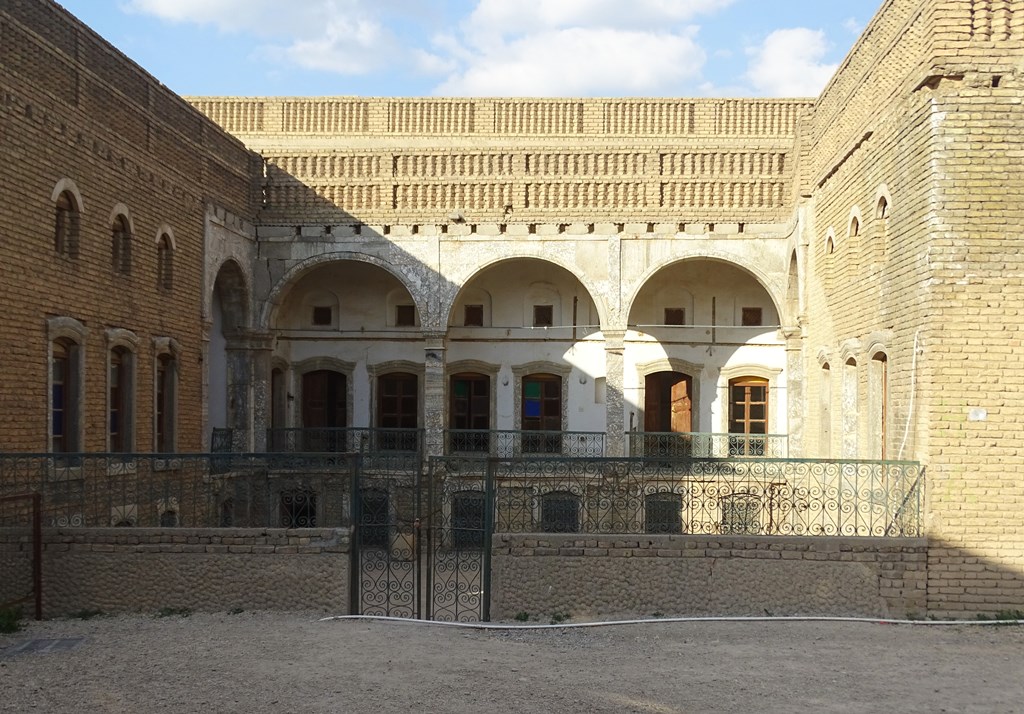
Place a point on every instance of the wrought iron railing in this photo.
(194, 490)
(758, 496)
(791, 497)
(703, 445)
(506, 444)
(344, 439)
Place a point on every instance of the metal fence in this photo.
(761, 497)
(704, 445)
(507, 444)
(753, 496)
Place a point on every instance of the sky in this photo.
(507, 48)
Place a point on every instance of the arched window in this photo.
(66, 225)
(878, 393)
(165, 407)
(120, 401)
(854, 227)
(65, 396)
(165, 263)
(882, 208)
(121, 245)
(825, 429)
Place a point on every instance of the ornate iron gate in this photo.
(421, 546)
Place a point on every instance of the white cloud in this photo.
(342, 36)
(581, 62)
(511, 17)
(789, 64)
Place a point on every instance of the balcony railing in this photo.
(507, 444)
(702, 445)
(344, 439)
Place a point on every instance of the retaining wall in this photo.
(695, 575)
(146, 569)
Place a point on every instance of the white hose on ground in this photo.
(656, 620)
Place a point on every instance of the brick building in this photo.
(831, 278)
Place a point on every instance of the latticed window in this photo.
(470, 410)
(748, 416)
(468, 519)
(298, 508)
(741, 515)
(560, 512)
(66, 226)
(663, 513)
(165, 264)
(121, 245)
(374, 518)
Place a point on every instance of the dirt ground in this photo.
(293, 662)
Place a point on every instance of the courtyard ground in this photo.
(293, 662)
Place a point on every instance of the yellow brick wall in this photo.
(71, 106)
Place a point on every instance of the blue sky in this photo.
(600, 48)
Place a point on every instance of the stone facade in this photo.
(148, 569)
(605, 576)
(360, 262)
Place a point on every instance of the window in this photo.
(65, 397)
(751, 317)
(560, 512)
(165, 406)
(165, 263)
(879, 394)
(323, 316)
(854, 227)
(120, 401)
(398, 411)
(474, 316)
(470, 412)
(825, 428)
(324, 410)
(543, 315)
(748, 416)
(405, 316)
(882, 209)
(663, 513)
(66, 225)
(121, 245)
(542, 411)
(675, 315)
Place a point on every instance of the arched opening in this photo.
(793, 290)
(668, 414)
(227, 370)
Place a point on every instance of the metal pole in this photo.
(355, 466)
(37, 553)
(485, 613)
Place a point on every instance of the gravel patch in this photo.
(293, 662)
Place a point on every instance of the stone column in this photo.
(795, 407)
(614, 440)
(434, 393)
(248, 388)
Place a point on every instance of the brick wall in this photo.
(73, 107)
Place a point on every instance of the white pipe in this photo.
(649, 621)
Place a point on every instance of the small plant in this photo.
(658, 614)
(1010, 615)
(522, 617)
(174, 612)
(557, 618)
(86, 614)
(10, 619)
(235, 611)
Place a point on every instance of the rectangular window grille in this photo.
(405, 316)
(560, 513)
(663, 513)
(474, 316)
(751, 317)
(741, 515)
(543, 315)
(322, 316)
(675, 316)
